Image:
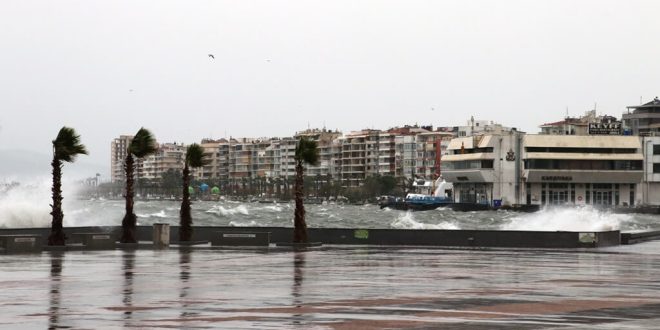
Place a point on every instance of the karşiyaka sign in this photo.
(613, 128)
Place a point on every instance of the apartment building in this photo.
(328, 152)
(217, 156)
(408, 151)
(118, 153)
(430, 147)
(589, 124)
(643, 119)
(360, 156)
(169, 156)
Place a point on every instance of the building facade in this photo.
(651, 182)
(581, 170)
(643, 120)
(404, 152)
(485, 168)
(168, 157)
(118, 153)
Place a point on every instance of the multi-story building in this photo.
(405, 156)
(430, 147)
(328, 152)
(589, 124)
(644, 119)
(485, 168)
(118, 153)
(362, 157)
(286, 157)
(169, 156)
(598, 170)
(217, 156)
(650, 186)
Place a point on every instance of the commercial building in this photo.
(485, 168)
(650, 186)
(578, 170)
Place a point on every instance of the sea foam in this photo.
(407, 221)
(584, 218)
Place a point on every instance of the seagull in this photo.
(211, 56)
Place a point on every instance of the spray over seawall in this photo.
(27, 204)
(583, 218)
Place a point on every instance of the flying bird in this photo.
(211, 56)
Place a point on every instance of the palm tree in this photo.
(143, 144)
(306, 153)
(66, 147)
(195, 157)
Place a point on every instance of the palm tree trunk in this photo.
(130, 220)
(300, 227)
(57, 236)
(185, 228)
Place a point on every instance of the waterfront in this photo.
(246, 214)
(334, 288)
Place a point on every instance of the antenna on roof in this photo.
(566, 111)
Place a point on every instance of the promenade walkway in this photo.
(334, 288)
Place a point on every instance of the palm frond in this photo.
(67, 146)
(307, 151)
(195, 156)
(143, 144)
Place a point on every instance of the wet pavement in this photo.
(334, 288)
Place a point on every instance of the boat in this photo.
(414, 202)
(421, 202)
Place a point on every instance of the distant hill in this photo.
(17, 164)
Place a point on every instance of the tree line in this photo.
(319, 186)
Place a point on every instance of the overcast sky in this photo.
(109, 67)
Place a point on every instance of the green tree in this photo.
(66, 147)
(171, 181)
(195, 157)
(306, 153)
(143, 144)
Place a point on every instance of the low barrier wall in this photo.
(347, 236)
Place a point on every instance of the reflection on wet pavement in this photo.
(334, 288)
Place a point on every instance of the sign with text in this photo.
(613, 128)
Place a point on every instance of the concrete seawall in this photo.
(351, 236)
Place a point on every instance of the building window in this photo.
(598, 165)
(656, 149)
(656, 167)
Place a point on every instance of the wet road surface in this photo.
(333, 288)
